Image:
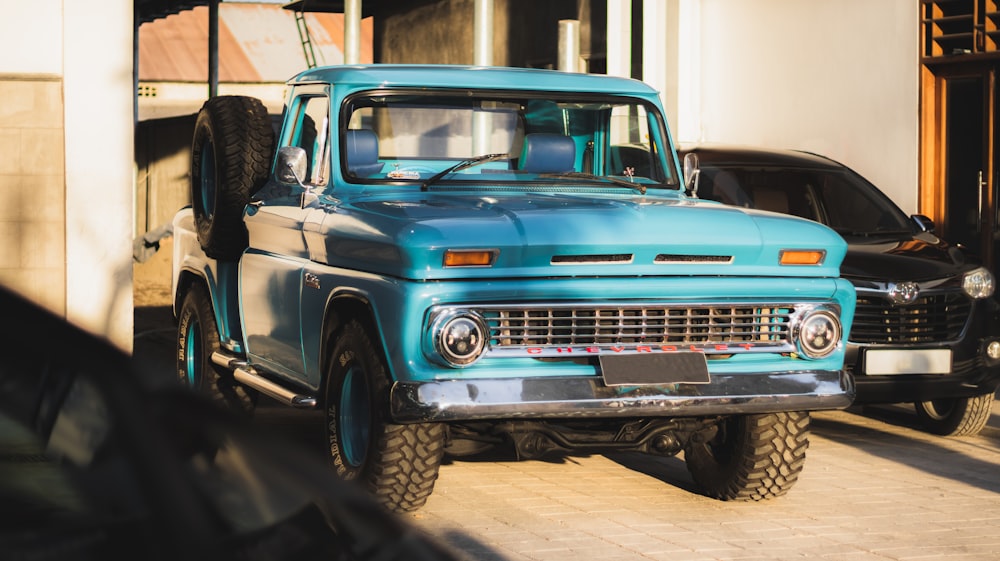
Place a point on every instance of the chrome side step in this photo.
(248, 376)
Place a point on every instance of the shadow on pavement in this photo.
(953, 458)
(154, 345)
(671, 470)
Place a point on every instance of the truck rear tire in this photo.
(962, 416)
(398, 464)
(752, 457)
(230, 161)
(197, 339)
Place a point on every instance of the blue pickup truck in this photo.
(448, 259)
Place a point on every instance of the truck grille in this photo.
(616, 325)
(930, 319)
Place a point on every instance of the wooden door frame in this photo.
(932, 197)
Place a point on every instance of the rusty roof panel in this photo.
(149, 10)
(257, 43)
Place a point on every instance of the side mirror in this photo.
(291, 166)
(924, 223)
(691, 173)
(290, 169)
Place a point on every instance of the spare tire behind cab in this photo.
(230, 161)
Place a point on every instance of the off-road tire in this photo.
(230, 161)
(752, 457)
(197, 339)
(397, 464)
(962, 416)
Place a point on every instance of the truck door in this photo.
(272, 269)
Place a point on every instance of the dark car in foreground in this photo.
(926, 326)
(94, 466)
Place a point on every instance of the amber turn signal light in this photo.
(802, 256)
(469, 257)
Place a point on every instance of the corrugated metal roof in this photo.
(257, 43)
(150, 10)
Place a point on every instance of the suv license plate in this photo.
(909, 361)
(652, 369)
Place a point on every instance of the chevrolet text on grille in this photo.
(708, 349)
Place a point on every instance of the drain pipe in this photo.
(569, 45)
(482, 51)
(352, 31)
(482, 54)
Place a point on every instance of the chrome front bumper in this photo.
(589, 397)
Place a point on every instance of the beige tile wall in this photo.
(33, 189)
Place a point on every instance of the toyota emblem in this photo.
(903, 292)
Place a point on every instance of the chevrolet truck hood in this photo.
(559, 234)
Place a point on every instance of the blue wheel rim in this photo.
(192, 353)
(208, 180)
(354, 417)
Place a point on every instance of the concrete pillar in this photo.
(99, 153)
(687, 124)
(659, 51)
(620, 38)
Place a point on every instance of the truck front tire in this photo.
(751, 457)
(398, 464)
(197, 339)
(230, 161)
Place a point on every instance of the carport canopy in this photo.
(149, 10)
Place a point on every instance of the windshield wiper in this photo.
(485, 158)
(581, 175)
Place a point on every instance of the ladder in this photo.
(307, 46)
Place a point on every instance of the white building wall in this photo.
(838, 77)
(66, 176)
(31, 37)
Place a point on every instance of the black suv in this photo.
(926, 327)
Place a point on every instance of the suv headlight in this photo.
(818, 333)
(978, 283)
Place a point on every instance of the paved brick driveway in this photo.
(873, 489)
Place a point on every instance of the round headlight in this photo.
(978, 283)
(460, 340)
(819, 333)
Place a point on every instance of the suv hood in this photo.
(920, 257)
(559, 234)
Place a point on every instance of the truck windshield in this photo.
(438, 139)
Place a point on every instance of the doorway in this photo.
(962, 179)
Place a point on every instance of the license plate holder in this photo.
(655, 369)
(907, 361)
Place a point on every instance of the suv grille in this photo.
(931, 319)
(607, 325)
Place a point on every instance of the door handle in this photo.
(979, 215)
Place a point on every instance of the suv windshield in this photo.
(842, 200)
(437, 138)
